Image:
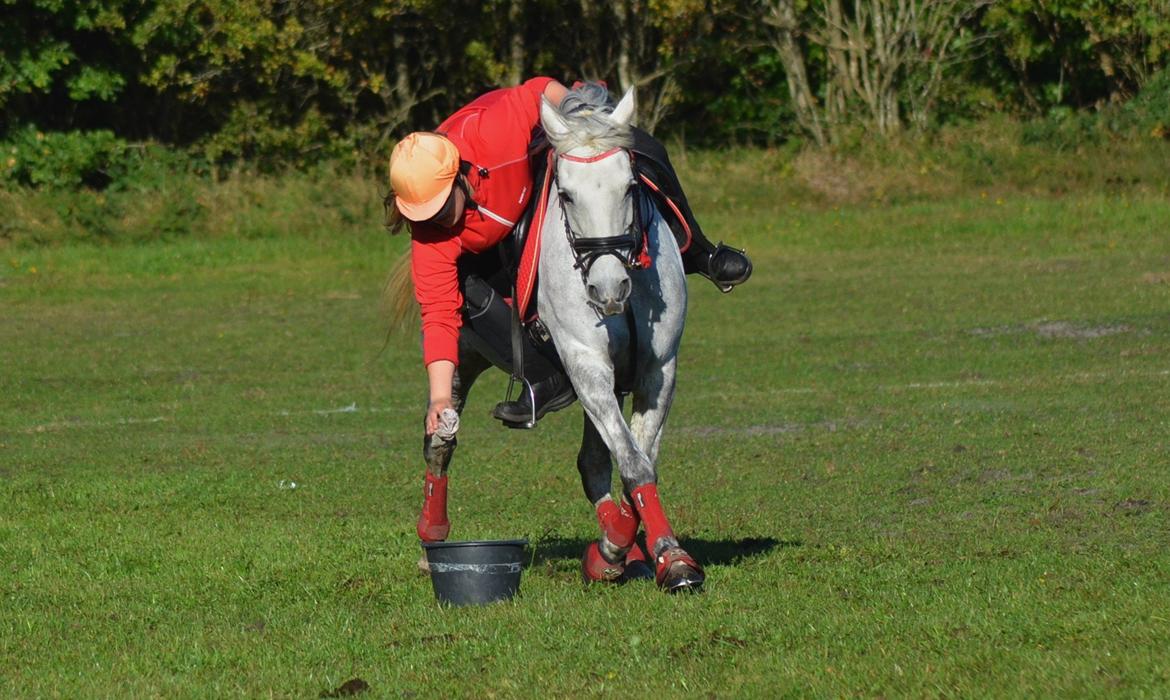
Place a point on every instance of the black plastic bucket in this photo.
(475, 573)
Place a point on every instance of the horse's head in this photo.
(597, 190)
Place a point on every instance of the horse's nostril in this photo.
(592, 293)
(624, 290)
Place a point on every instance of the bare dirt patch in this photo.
(1132, 506)
(831, 426)
(1054, 330)
(351, 687)
(1058, 265)
(1062, 329)
(255, 626)
(714, 643)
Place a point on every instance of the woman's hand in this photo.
(436, 407)
(555, 92)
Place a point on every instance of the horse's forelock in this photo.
(586, 111)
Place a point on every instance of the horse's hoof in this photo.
(423, 565)
(595, 567)
(637, 568)
(678, 572)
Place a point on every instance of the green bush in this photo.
(1063, 129)
(1149, 112)
(1146, 115)
(62, 160)
(91, 186)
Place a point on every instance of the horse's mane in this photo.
(585, 109)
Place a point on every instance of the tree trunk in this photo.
(623, 24)
(840, 83)
(401, 69)
(516, 54)
(888, 57)
(783, 19)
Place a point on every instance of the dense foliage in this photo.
(85, 83)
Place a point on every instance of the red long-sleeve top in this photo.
(492, 134)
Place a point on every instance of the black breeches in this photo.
(487, 318)
(653, 162)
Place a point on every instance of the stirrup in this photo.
(525, 385)
(726, 287)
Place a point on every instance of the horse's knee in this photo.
(437, 455)
(638, 472)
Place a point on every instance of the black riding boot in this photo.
(488, 324)
(723, 265)
(550, 394)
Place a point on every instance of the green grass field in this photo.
(924, 452)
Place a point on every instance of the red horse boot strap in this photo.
(595, 567)
(629, 511)
(677, 571)
(433, 525)
(653, 518)
(618, 524)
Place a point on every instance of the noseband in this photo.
(628, 247)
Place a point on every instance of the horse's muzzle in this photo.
(610, 304)
(613, 308)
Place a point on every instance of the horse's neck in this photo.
(553, 240)
(661, 236)
(556, 257)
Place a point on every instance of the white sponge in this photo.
(448, 426)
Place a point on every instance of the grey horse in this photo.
(612, 294)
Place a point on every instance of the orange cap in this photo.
(422, 169)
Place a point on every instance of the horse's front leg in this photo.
(615, 555)
(595, 390)
(675, 569)
(433, 524)
(653, 396)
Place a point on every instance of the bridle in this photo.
(628, 247)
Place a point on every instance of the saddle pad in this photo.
(530, 255)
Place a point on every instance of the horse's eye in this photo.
(566, 197)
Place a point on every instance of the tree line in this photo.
(274, 82)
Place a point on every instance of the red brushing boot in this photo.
(433, 525)
(619, 524)
(595, 567)
(637, 563)
(618, 527)
(675, 570)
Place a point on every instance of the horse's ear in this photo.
(552, 121)
(624, 112)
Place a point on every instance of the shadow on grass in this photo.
(706, 552)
